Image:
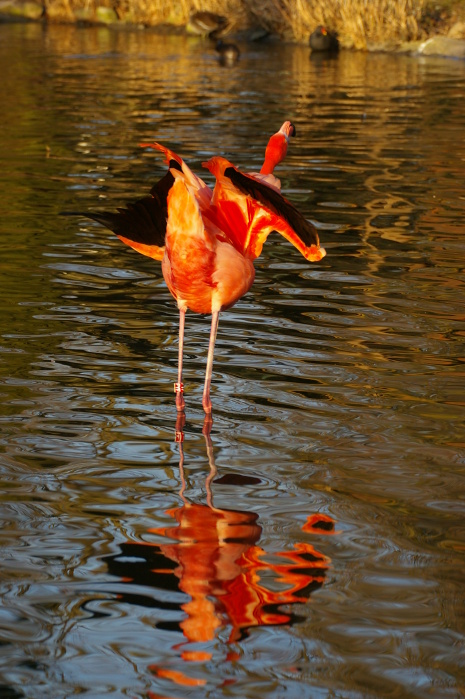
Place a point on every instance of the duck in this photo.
(207, 24)
(228, 52)
(324, 40)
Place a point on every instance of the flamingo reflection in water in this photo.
(214, 557)
(207, 240)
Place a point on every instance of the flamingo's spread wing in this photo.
(282, 217)
(142, 225)
(196, 186)
(248, 210)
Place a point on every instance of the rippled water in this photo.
(315, 546)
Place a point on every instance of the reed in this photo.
(359, 23)
(153, 12)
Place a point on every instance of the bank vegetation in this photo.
(359, 23)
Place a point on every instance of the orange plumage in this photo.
(207, 240)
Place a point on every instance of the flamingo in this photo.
(207, 240)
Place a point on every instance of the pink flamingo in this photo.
(207, 240)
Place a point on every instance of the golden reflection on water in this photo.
(337, 390)
(213, 556)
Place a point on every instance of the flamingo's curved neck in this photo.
(277, 148)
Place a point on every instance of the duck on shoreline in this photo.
(207, 24)
(324, 40)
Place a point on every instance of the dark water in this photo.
(315, 548)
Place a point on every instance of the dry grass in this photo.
(359, 23)
(154, 12)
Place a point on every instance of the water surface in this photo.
(315, 546)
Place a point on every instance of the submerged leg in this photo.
(206, 402)
(178, 387)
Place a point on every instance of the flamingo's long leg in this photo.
(206, 402)
(178, 387)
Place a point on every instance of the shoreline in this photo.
(448, 42)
